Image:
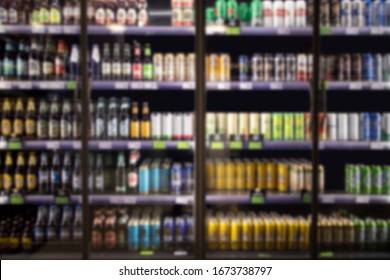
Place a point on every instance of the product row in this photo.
(365, 179)
(297, 126)
(271, 175)
(142, 229)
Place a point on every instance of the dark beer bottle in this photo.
(21, 62)
(110, 238)
(137, 62)
(48, 61)
(112, 126)
(66, 121)
(44, 175)
(134, 122)
(66, 175)
(60, 61)
(99, 174)
(20, 172)
(43, 121)
(77, 121)
(121, 174)
(66, 224)
(124, 119)
(126, 62)
(78, 224)
(32, 180)
(54, 120)
(55, 174)
(100, 120)
(97, 232)
(106, 62)
(52, 226)
(145, 122)
(18, 122)
(122, 229)
(116, 63)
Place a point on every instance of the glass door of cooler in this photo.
(41, 212)
(258, 129)
(355, 71)
(141, 182)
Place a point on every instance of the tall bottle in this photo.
(120, 182)
(21, 62)
(90, 12)
(66, 121)
(124, 118)
(48, 61)
(99, 174)
(122, 229)
(3, 12)
(100, 120)
(77, 120)
(78, 224)
(30, 121)
(35, 13)
(76, 12)
(54, 120)
(43, 121)
(100, 12)
(126, 62)
(13, 10)
(32, 178)
(112, 125)
(9, 66)
(66, 224)
(106, 62)
(143, 16)
(8, 180)
(137, 62)
(110, 11)
(116, 63)
(132, 14)
(76, 178)
(95, 62)
(74, 62)
(60, 61)
(91, 172)
(67, 13)
(55, 13)
(132, 172)
(121, 12)
(24, 13)
(134, 122)
(6, 122)
(44, 175)
(147, 64)
(18, 121)
(19, 176)
(55, 174)
(44, 12)
(40, 224)
(53, 223)
(66, 175)
(34, 64)
(146, 122)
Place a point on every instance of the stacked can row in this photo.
(256, 231)
(273, 175)
(364, 179)
(142, 229)
(337, 232)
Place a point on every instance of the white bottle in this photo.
(278, 13)
(267, 13)
(300, 13)
(289, 11)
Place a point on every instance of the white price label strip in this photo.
(137, 85)
(355, 86)
(129, 200)
(276, 86)
(3, 200)
(188, 85)
(150, 85)
(246, 86)
(352, 31)
(121, 85)
(105, 145)
(134, 145)
(328, 199)
(53, 145)
(362, 199)
(223, 86)
(183, 200)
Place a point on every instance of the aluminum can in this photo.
(169, 67)
(232, 126)
(177, 127)
(376, 179)
(177, 17)
(133, 229)
(177, 174)
(299, 126)
(323, 126)
(386, 58)
(292, 234)
(188, 126)
(280, 68)
(188, 177)
(145, 233)
(212, 232)
(254, 124)
(369, 67)
(168, 233)
(243, 125)
(386, 179)
(236, 234)
(210, 174)
(353, 127)
(158, 67)
(307, 170)
(371, 234)
(144, 177)
(166, 127)
(308, 125)
(224, 233)
(250, 177)
(369, 13)
(300, 13)
(302, 67)
(224, 68)
(334, 13)
(345, 67)
(180, 67)
(155, 176)
(266, 125)
(342, 127)
(247, 233)
(386, 126)
(309, 66)
(180, 232)
(283, 181)
(365, 179)
(332, 126)
(268, 13)
(358, 13)
(321, 178)
(360, 234)
(190, 67)
(278, 13)
(257, 68)
(379, 67)
(304, 234)
(243, 62)
(346, 13)
(310, 12)
(289, 10)
(288, 126)
(230, 174)
(188, 13)
(155, 224)
(213, 73)
(291, 68)
(261, 175)
(357, 67)
(281, 234)
(156, 126)
(271, 176)
(375, 127)
(269, 66)
(277, 126)
(270, 233)
(380, 17)
(259, 233)
(165, 175)
(220, 175)
(240, 174)
(365, 130)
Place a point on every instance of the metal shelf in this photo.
(136, 30)
(353, 199)
(248, 86)
(237, 255)
(40, 29)
(355, 255)
(350, 31)
(42, 256)
(157, 255)
(245, 198)
(141, 199)
(357, 86)
(140, 85)
(37, 85)
(40, 199)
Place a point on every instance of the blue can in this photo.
(155, 181)
(180, 232)
(188, 177)
(156, 232)
(165, 173)
(144, 233)
(144, 177)
(133, 234)
(177, 178)
(365, 122)
(380, 13)
(375, 127)
(369, 67)
(369, 12)
(243, 62)
(168, 233)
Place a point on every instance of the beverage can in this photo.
(277, 126)
(158, 67)
(375, 127)
(269, 67)
(177, 178)
(280, 68)
(358, 13)
(342, 127)
(177, 126)
(257, 68)
(365, 179)
(353, 127)
(376, 179)
(386, 179)
(291, 67)
(346, 13)
(243, 68)
(166, 127)
(365, 130)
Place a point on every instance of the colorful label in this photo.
(32, 182)
(131, 16)
(5, 127)
(7, 181)
(19, 181)
(44, 15)
(55, 16)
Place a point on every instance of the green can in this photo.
(360, 234)
(382, 234)
(210, 16)
(299, 126)
(348, 177)
(232, 9)
(376, 179)
(288, 127)
(371, 234)
(386, 179)
(365, 178)
(220, 11)
(388, 234)
(277, 126)
(352, 179)
(256, 13)
(244, 14)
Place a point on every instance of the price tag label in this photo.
(306, 198)
(54, 29)
(150, 86)
(326, 31)
(3, 200)
(2, 29)
(182, 200)
(276, 86)
(121, 85)
(351, 31)
(71, 29)
(246, 86)
(53, 145)
(105, 145)
(360, 199)
(14, 145)
(3, 145)
(236, 145)
(137, 85)
(257, 199)
(376, 31)
(377, 86)
(146, 253)
(327, 254)
(223, 86)
(233, 31)
(159, 145)
(129, 200)
(116, 199)
(255, 145)
(355, 86)
(38, 29)
(51, 85)
(61, 200)
(5, 85)
(25, 85)
(328, 199)
(283, 31)
(71, 85)
(77, 145)
(116, 29)
(16, 199)
(188, 85)
(134, 145)
(217, 145)
(180, 253)
(183, 145)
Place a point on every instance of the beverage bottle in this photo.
(55, 174)
(132, 15)
(55, 13)
(145, 122)
(106, 62)
(91, 130)
(67, 13)
(18, 121)
(126, 62)
(35, 13)
(116, 63)
(53, 223)
(232, 8)
(54, 120)
(9, 62)
(13, 12)
(137, 62)
(60, 61)
(112, 126)
(34, 64)
(100, 120)
(43, 121)
(66, 121)
(21, 62)
(121, 12)
(257, 13)
(134, 122)
(124, 116)
(32, 179)
(99, 174)
(77, 120)
(76, 178)
(66, 224)
(44, 175)
(40, 224)
(110, 11)
(91, 12)
(6, 123)
(110, 237)
(3, 12)
(147, 64)
(74, 63)
(1, 174)
(48, 61)
(78, 224)
(120, 182)
(76, 12)
(8, 180)
(97, 231)
(24, 12)
(100, 12)
(143, 16)
(44, 12)
(122, 229)
(27, 238)
(95, 62)
(132, 172)
(66, 175)
(91, 172)
(20, 171)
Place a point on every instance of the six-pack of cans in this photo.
(367, 179)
